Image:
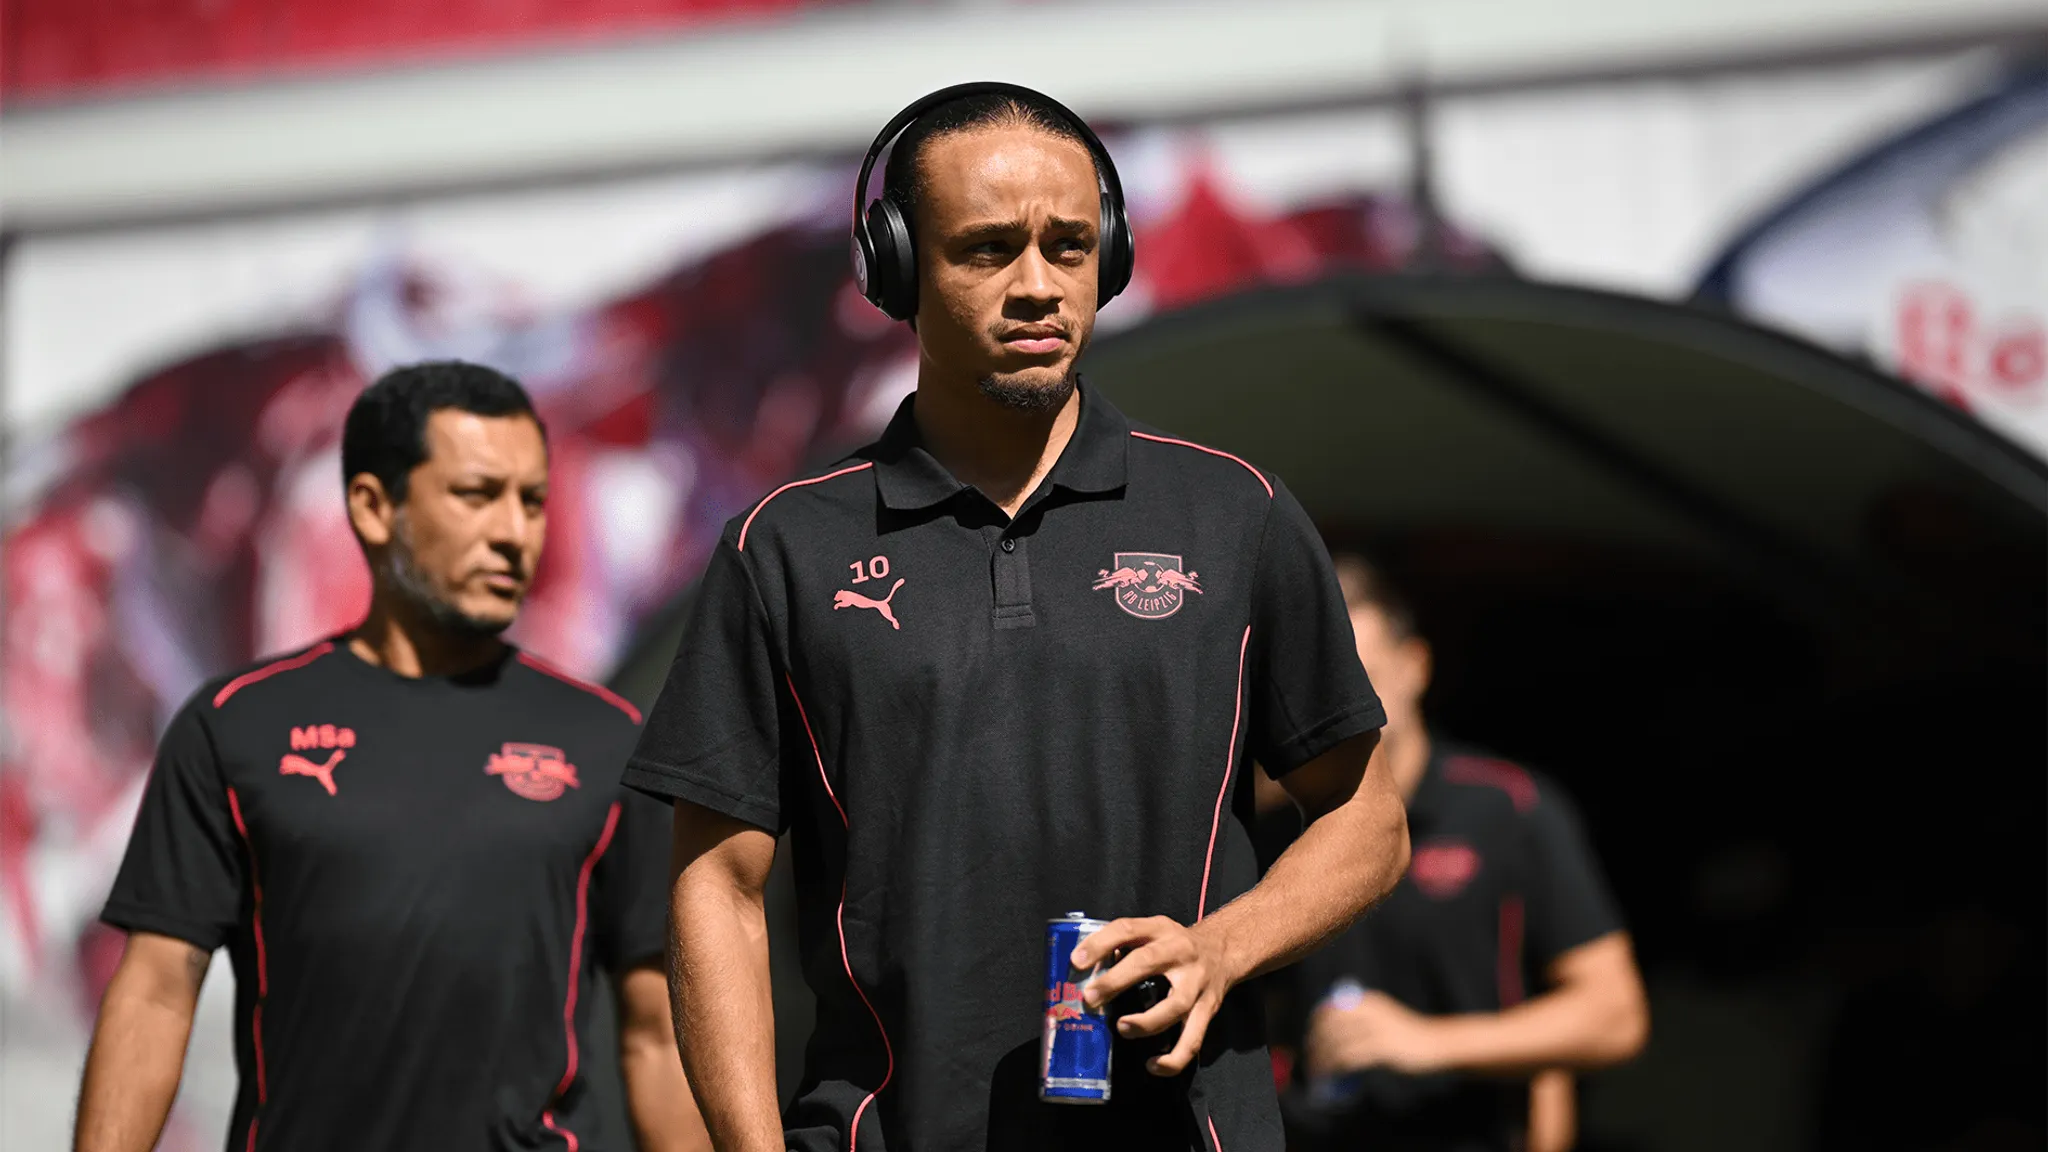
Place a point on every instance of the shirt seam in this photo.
(131, 916)
(760, 604)
(1310, 734)
(1279, 699)
(736, 805)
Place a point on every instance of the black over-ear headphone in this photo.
(884, 257)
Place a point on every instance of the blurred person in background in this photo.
(972, 713)
(1423, 1033)
(410, 838)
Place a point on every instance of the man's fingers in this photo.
(1104, 942)
(1184, 1052)
(1125, 973)
(1160, 1016)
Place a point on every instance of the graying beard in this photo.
(416, 588)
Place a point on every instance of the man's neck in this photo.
(1406, 746)
(1004, 452)
(392, 640)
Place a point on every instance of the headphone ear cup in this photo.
(1113, 272)
(892, 267)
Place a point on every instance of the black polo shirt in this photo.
(414, 879)
(970, 724)
(1501, 883)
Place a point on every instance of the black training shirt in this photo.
(414, 880)
(970, 724)
(1501, 883)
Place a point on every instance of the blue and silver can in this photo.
(1074, 1052)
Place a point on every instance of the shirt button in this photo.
(1009, 545)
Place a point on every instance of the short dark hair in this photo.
(386, 431)
(1366, 584)
(904, 177)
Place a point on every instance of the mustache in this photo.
(1003, 329)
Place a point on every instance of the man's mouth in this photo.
(502, 583)
(1035, 339)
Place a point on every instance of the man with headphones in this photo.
(1006, 663)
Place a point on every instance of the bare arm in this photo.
(138, 1044)
(1594, 1015)
(1553, 1112)
(718, 976)
(1351, 854)
(658, 1097)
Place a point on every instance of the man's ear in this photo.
(371, 511)
(1425, 663)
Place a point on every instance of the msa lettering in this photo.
(322, 736)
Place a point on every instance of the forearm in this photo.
(1343, 863)
(1578, 1028)
(664, 1113)
(724, 1011)
(131, 1073)
(1553, 1112)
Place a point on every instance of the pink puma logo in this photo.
(848, 598)
(295, 765)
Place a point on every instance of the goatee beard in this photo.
(1019, 395)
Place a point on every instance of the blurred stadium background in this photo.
(1689, 359)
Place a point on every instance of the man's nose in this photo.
(511, 524)
(1035, 279)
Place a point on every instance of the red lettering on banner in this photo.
(1948, 346)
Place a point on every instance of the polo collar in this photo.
(1096, 459)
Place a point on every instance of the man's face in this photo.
(1007, 237)
(465, 542)
(1397, 665)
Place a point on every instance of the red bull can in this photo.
(1074, 1052)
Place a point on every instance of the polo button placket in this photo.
(1012, 572)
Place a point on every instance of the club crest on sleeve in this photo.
(1148, 585)
(534, 771)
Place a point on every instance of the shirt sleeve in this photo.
(182, 874)
(630, 887)
(714, 737)
(1308, 692)
(1568, 899)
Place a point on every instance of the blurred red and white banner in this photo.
(70, 48)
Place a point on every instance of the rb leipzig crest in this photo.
(1148, 585)
(535, 771)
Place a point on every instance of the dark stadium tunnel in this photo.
(1778, 621)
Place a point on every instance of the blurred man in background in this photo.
(934, 666)
(1423, 1033)
(410, 837)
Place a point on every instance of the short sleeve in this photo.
(629, 890)
(713, 737)
(182, 875)
(1568, 900)
(1308, 691)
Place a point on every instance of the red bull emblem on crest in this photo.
(1148, 585)
(535, 771)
